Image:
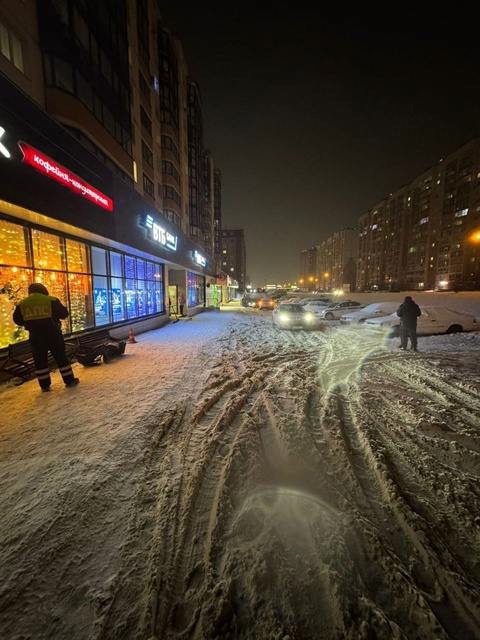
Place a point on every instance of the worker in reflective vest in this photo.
(40, 314)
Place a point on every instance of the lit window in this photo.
(423, 220)
(48, 251)
(232, 269)
(224, 251)
(460, 214)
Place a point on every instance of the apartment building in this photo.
(95, 157)
(425, 235)
(234, 256)
(336, 261)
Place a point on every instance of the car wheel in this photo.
(329, 316)
(455, 328)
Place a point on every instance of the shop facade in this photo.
(66, 220)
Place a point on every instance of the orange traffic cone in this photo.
(131, 337)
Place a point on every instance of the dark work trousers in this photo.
(41, 344)
(407, 332)
(181, 309)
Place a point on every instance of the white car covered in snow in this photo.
(336, 311)
(318, 305)
(433, 320)
(375, 310)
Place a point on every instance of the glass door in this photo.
(173, 299)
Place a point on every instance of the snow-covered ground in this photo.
(226, 479)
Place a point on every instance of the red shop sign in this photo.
(64, 176)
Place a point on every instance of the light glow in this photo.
(160, 235)
(199, 259)
(3, 149)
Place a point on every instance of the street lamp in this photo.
(475, 237)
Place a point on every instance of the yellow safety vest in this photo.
(36, 306)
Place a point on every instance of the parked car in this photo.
(266, 303)
(317, 306)
(317, 298)
(336, 311)
(293, 315)
(433, 320)
(250, 299)
(375, 310)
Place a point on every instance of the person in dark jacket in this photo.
(408, 312)
(40, 314)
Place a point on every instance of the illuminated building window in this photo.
(14, 244)
(14, 283)
(195, 289)
(77, 256)
(48, 250)
(99, 287)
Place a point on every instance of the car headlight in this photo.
(309, 317)
(283, 317)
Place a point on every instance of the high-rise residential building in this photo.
(336, 261)
(100, 145)
(217, 218)
(308, 267)
(195, 161)
(425, 235)
(209, 203)
(234, 256)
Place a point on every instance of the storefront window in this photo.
(118, 306)
(131, 298)
(195, 289)
(13, 288)
(100, 300)
(48, 251)
(150, 271)
(56, 284)
(116, 264)
(142, 298)
(99, 261)
(81, 308)
(96, 285)
(13, 244)
(77, 256)
(151, 298)
(140, 269)
(130, 271)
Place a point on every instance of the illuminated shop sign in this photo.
(159, 234)
(64, 176)
(3, 149)
(199, 259)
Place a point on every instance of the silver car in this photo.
(292, 316)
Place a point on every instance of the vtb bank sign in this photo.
(55, 171)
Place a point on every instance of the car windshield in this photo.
(291, 308)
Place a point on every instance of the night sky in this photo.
(314, 119)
